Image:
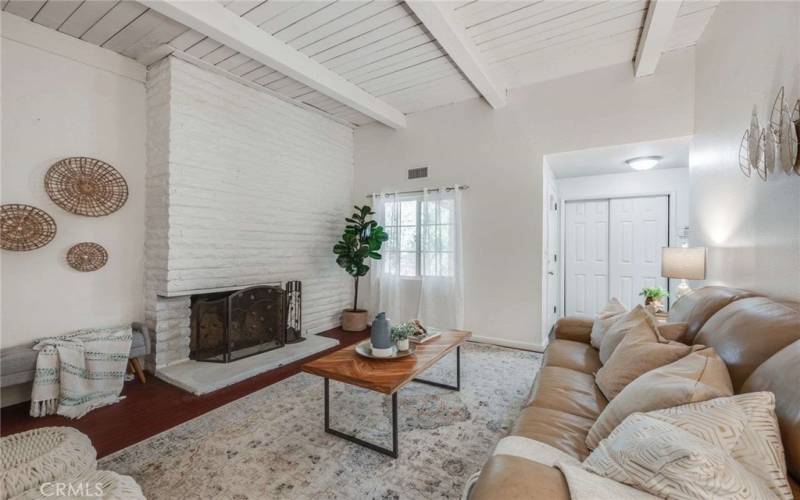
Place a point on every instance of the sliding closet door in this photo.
(638, 231)
(586, 257)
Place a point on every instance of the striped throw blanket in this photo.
(81, 371)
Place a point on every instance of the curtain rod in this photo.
(417, 191)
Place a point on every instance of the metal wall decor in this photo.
(751, 155)
(796, 120)
(23, 227)
(86, 186)
(776, 144)
(87, 257)
(294, 312)
(782, 129)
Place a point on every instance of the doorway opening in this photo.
(604, 225)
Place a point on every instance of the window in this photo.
(420, 237)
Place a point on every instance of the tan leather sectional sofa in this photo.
(757, 337)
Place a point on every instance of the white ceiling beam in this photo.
(216, 22)
(661, 15)
(440, 21)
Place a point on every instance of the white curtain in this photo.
(420, 275)
(384, 279)
(441, 298)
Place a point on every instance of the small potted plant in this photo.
(360, 242)
(652, 298)
(400, 334)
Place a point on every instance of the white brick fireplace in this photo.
(243, 188)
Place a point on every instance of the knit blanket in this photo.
(79, 372)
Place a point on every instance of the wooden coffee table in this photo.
(385, 376)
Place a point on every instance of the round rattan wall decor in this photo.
(86, 186)
(87, 256)
(23, 227)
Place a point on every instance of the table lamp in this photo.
(683, 263)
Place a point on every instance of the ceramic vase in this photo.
(402, 345)
(380, 336)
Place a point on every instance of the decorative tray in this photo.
(364, 348)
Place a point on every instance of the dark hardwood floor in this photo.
(155, 406)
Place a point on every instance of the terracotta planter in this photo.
(354, 321)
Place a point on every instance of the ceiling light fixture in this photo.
(643, 162)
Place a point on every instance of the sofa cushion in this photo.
(568, 391)
(674, 331)
(745, 427)
(748, 331)
(515, 478)
(17, 365)
(780, 375)
(637, 320)
(139, 345)
(696, 307)
(607, 317)
(559, 429)
(573, 355)
(638, 353)
(577, 328)
(700, 376)
(670, 462)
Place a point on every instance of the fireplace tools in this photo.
(294, 309)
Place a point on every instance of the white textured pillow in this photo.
(607, 317)
(669, 462)
(744, 426)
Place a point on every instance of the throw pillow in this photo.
(667, 461)
(636, 319)
(607, 317)
(745, 426)
(640, 351)
(674, 331)
(700, 376)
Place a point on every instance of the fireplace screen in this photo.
(231, 326)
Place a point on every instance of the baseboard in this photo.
(527, 346)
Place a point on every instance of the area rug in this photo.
(271, 444)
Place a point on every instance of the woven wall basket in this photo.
(86, 186)
(23, 227)
(87, 256)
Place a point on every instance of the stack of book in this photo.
(422, 334)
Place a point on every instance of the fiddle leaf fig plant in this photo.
(361, 241)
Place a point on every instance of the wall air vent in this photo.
(417, 173)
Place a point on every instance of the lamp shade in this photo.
(683, 263)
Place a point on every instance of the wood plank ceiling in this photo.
(380, 45)
(526, 42)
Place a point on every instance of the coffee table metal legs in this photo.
(392, 453)
(456, 387)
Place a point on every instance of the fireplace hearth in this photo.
(229, 326)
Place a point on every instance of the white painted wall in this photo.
(63, 97)
(55, 106)
(751, 227)
(246, 189)
(498, 153)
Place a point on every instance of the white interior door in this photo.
(638, 231)
(553, 261)
(585, 256)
